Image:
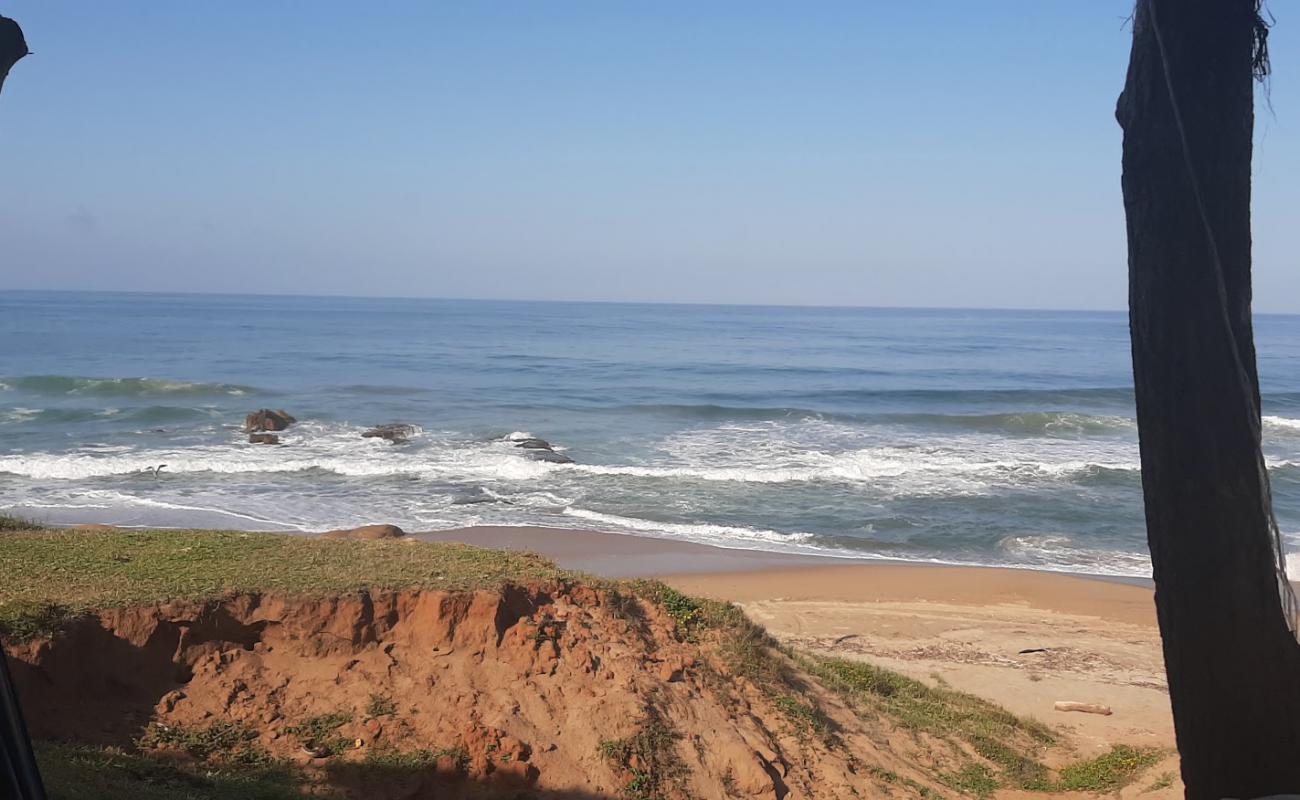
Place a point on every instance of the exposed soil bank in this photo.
(542, 690)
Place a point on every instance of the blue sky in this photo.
(923, 154)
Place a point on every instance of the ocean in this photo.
(946, 436)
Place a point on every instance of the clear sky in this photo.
(941, 153)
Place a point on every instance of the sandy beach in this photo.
(1021, 638)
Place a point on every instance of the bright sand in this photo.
(966, 626)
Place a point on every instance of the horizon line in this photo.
(679, 303)
(687, 303)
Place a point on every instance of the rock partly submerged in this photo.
(394, 432)
(265, 419)
(538, 449)
(263, 438)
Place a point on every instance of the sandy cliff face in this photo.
(553, 690)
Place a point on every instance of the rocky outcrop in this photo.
(395, 432)
(263, 438)
(532, 443)
(539, 449)
(549, 456)
(366, 533)
(267, 420)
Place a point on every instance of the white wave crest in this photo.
(335, 448)
(1284, 425)
(20, 414)
(717, 535)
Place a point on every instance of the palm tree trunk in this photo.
(1224, 608)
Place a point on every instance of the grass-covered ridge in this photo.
(51, 573)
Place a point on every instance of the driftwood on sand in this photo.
(1087, 708)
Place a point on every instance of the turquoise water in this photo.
(990, 437)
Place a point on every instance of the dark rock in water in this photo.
(533, 444)
(539, 449)
(267, 420)
(549, 456)
(263, 438)
(395, 432)
(476, 496)
(367, 532)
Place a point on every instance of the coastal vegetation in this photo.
(705, 668)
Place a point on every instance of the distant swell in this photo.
(147, 415)
(59, 385)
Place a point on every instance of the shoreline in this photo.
(630, 555)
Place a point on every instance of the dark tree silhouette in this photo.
(1224, 606)
(19, 777)
(12, 46)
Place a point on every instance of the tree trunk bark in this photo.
(1233, 664)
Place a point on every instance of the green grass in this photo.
(9, 522)
(1109, 771)
(890, 778)
(323, 732)
(1163, 781)
(650, 757)
(973, 779)
(1009, 742)
(389, 757)
(380, 705)
(225, 742)
(75, 772)
(51, 575)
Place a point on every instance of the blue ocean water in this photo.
(986, 437)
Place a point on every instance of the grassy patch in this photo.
(748, 651)
(226, 742)
(22, 620)
(1163, 781)
(322, 732)
(74, 571)
(1109, 771)
(649, 757)
(388, 758)
(1007, 741)
(890, 778)
(687, 612)
(73, 772)
(8, 522)
(380, 705)
(973, 779)
(806, 714)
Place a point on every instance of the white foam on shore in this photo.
(722, 535)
